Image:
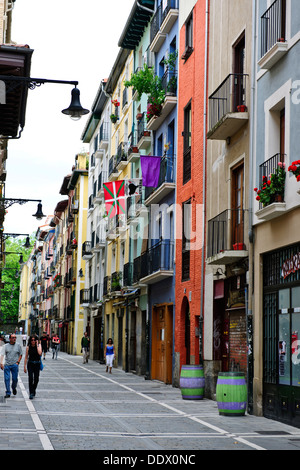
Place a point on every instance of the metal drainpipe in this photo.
(251, 237)
(204, 188)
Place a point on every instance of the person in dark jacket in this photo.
(32, 363)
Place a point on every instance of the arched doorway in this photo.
(186, 316)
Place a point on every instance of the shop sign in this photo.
(290, 265)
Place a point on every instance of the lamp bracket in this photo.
(7, 202)
(14, 81)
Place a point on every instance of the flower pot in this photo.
(133, 150)
(278, 198)
(241, 108)
(238, 246)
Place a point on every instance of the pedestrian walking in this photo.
(32, 363)
(44, 343)
(12, 352)
(24, 339)
(85, 347)
(109, 354)
(55, 345)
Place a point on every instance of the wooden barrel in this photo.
(231, 393)
(192, 382)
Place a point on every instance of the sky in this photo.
(73, 40)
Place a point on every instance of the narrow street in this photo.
(81, 407)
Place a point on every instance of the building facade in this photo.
(276, 219)
(227, 208)
(189, 185)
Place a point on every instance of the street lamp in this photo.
(7, 202)
(13, 235)
(75, 110)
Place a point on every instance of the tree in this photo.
(10, 279)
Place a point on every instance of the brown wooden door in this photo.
(162, 343)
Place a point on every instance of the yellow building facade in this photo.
(118, 230)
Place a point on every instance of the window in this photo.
(189, 33)
(187, 143)
(188, 38)
(186, 233)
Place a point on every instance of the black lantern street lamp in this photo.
(75, 110)
(39, 213)
(7, 202)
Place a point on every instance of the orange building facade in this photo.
(190, 184)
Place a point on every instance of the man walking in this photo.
(85, 346)
(12, 352)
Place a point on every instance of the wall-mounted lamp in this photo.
(7, 202)
(39, 213)
(75, 110)
(219, 273)
(80, 273)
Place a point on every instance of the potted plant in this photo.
(241, 108)
(295, 169)
(272, 188)
(145, 81)
(113, 118)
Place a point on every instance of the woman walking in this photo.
(109, 354)
(32, 363)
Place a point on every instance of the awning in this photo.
(15, 61)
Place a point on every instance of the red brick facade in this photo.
(191, 90)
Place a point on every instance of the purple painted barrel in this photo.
(192, 382)
(231, 393)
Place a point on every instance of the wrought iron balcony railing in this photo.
(230, 94)
(273, 27)
(225, 232)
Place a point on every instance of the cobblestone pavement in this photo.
(81, 407)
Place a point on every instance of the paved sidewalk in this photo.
(81, 407)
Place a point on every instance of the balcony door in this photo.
(237, 196)
(239, 70)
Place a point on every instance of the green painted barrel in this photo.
(231, 393)
(192, 382)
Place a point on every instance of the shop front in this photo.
(281, 335)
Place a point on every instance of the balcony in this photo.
(169, 84)
(128, 274)
(156, 264)
(99, 194)
(143, 135)
(169, 16)
(116, 281)
(98, 240)
(166, 182)
(106, 285)
(87, 251)
(133, 153)
(225, 238)
(162, 23)
(121, 157)
(157, 38)
(103, 140)
(227, 110)
(113, 173)
(277, 206)
(273, 35)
